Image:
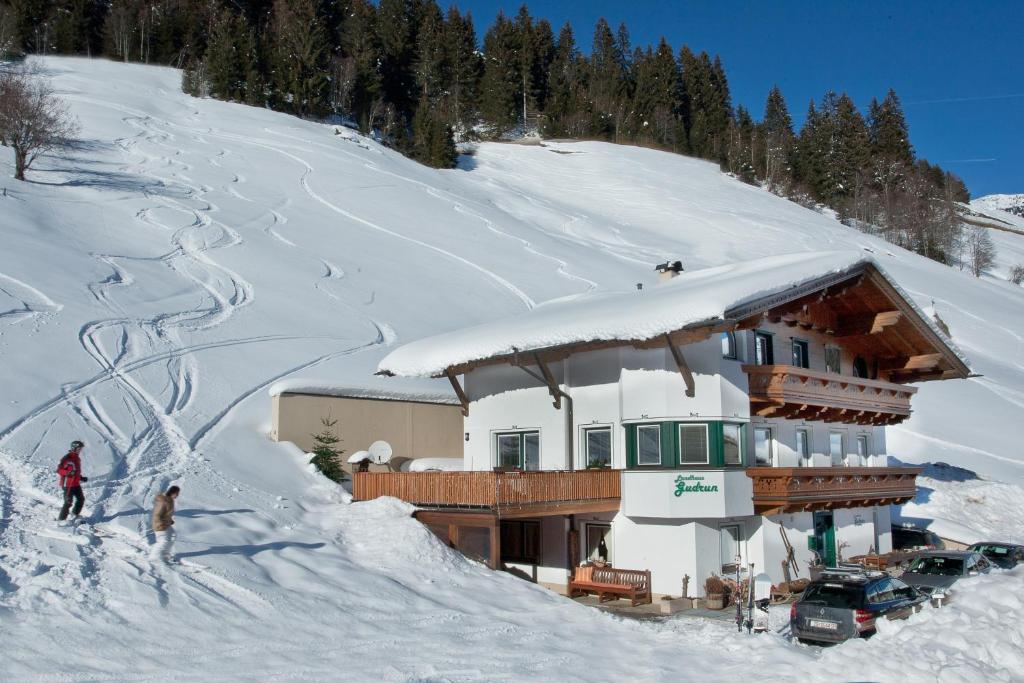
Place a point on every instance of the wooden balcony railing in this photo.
(800, 394)
(494, 490)
(798, 489)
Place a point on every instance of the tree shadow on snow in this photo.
(115, 181)
(197, 512)
(250, 550)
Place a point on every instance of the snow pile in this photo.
(422, 390)
(434, 465)
(958, 504)
(979, 636)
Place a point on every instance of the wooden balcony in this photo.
(799, 489)
(508, 494)
(800, 394)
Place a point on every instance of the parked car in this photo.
(910, 538)
(844, 604)
(935, 571)
(1002, 555)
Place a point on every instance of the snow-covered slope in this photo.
(188, 254)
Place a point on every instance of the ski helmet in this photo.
(76, 444)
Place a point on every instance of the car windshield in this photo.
(941, 566)
(992, 550)
(833, 595)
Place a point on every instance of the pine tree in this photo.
(566, 110)
(891, 153)
(225, 67)
(465, 69)
(301, 54)
(430, 65)
(657, 98)
(361, 94)
(397, 29)
(500, 87)
(609, 85)
(325, 453)
(777, 141)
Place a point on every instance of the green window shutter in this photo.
(630, 446)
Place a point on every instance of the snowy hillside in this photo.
(188, 254)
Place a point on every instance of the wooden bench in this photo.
(609, 584)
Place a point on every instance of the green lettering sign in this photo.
(693, 483)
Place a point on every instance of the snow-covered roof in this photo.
(416, 390)
(692, 299)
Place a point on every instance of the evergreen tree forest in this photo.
(420, 78)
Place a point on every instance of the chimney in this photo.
(668, 270)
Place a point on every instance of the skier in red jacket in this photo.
(70, 471)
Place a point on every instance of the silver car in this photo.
(935, 572)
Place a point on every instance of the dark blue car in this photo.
(844, 604)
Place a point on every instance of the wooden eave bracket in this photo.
(463, 399)
(549, 379)
(684, 369)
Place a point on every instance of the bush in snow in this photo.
(1017, 274)
(325, 455)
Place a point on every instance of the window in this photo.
(833, 354)
(728, 345)
(519, 450)
(763, 352)
(598, 447)
(803, 446)
(599, 542)
(860, 367)
(862, 449)
(763, 446)
(693, 444)
(800, 352)
(731, 544)
(520, 542)
(648, 445)
(835, 448)
(732, 446)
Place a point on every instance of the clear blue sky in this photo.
(958, 67)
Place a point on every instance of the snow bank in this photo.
(419, 389)
(958, 504)
(435, 464)
(692, 297)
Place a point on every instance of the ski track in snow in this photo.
(30, 301)
(155, 449)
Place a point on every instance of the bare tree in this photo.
(981, 253)
(33, 120)
(1017, 274)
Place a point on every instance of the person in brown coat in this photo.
(163, 525)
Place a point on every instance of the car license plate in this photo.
(826, 625)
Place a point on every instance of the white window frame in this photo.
(865, 457)
(609, 542)
(741, 438)
(733, 352)
(707, 444)
(839, 359)
(769, 349)
(497, 435)
(805, 458)
(805, 348)
(771, 445)
(585, 449)
(843, 459)
(661, 451)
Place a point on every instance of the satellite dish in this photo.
(358, 456)
(380, 452)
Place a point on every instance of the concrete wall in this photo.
(414, 430)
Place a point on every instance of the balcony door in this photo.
(518, 450)
(825, 537)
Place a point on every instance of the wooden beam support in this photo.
(866, 323)
(549, 379)
(684, 369)
(463, 399)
